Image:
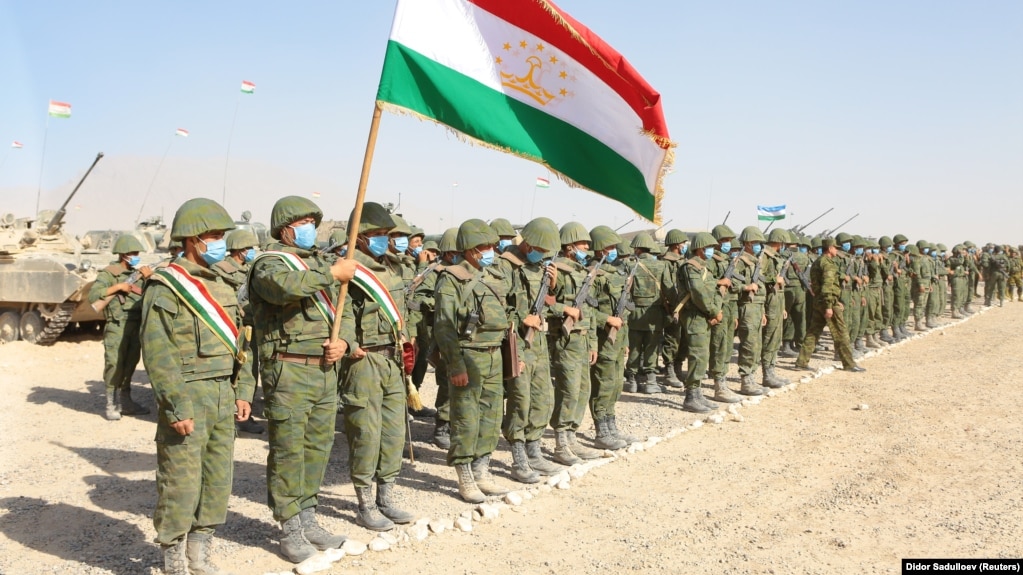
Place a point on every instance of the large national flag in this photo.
(60, 109)
(524, 77)
(16, 144)
(181, 132)
(770, 213)
(248, 87)
(543, 183)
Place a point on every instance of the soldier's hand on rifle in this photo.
(460, 379)
(334, 351)
(615, 322)
(717, 319)
(343, 270)
(145, 271)
(752, 288)
(183, 427)
(532, 320)
(573, 312)
(780, 282)
(552, 274)
(425, 257)
(243, 410)
(123, 287)
(725, 282)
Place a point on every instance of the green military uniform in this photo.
(889, 276)
(195, 375)
(939, 299)
(1015, 275)
(772, 262)
(751, 308)
(797, 278)
(123, 312)
(825, 279)
(903, 286)
(702, 310)
(722, 334)
(425, 296)
(959, 278)
(646, 322)
(874, 293)
(998, 274)
(921, 270)
(673, 349)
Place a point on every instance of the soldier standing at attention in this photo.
(921, 270)
(722, 334)
(472, 320)
(195, 357)
(426, 297)
(903, 287)
(505, 233)
(774, 306)
(825, 279)
(998, 272)
(1015, 275)
(702, 311)
(751, 308)
(646, 322)
(291, 290)
(798, 271)
(119, 288)
(889, 263)
(673, 349)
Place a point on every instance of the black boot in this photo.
(386, 505)
(128, 405)
(521, 471)
(788, 349)
(672, 380)
(442, 435)
(650, 386)
(692, 402)
(630, 383)
(369, 515)
(538, 462)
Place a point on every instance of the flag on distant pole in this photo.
(16, 144)
(248, 87)
(60, 109)
(181, 132)
(543, 183)
(524, 77)
(771, 213)
(316, 194)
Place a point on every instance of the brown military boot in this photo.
(175, 560)
(750, 386)
(484, 480)
(605, 438)
(538, 462)
(722, 392)
(563, 449)
(521, 470)
(467, 487)
(198, 552)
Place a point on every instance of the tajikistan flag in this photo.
(16, 144)
(59, 109)
(770, 213)
(248, 87)
(523, 77)
(543, 183)
(181, 132)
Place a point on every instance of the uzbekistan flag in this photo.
(60, 109)
(16, 144)
(524, 77)
(770, 213)
(543, 183)
(181, 132)
(248, 87)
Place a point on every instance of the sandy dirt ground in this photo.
(806, 482)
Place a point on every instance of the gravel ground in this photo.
(844, 473)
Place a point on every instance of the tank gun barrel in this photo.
(54, 224)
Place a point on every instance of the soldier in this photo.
(673, 349)
(118, 292)
(825, 276)
(889, 264)
(505, 233)
(426, 296)
(722, 334)
(292, 288)
(646, 322)
(530, 396)
(471, 323)
(921, 270)
(751, 308)
(902, 289)
(195, 357)
(701, 311)
(850, 279)
(234, 269)
(773, 262)
(797, 280)
(959, 278)
(998, 272)
(415, 245)
(940, 280)
(1015, 269)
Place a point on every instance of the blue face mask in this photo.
(611, 256)
(734, 254)
(181, 254)
(401, 244)
(970, 250)
(305, 236)
(846, 246)
(503, 245)
(757, 248)
(580, 256)
(416, 251)
(250, 255)
(685, 249)
(486, 258)
(708, 253)
(456, 259)
(888, 250)
(133, 261)
(534, 257)
(902, 247)
(818, 251)
(726, 247)
(216, 250)
(858, 251)
(377, 245)
(803, 249)
(926, 251)
(875, 250)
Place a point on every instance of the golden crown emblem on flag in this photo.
(523, 67)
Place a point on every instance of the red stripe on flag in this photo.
(607, 64)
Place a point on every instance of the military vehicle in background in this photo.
(44, 277)
(260, 230)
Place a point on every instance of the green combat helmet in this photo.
(941, 248)
(604, 237)
(751, 234)
(289, 209)
(885, 242)
(573, 232)
(703, 240)
(542, 233)
(474, 232)
(859, 241)
(842, 238)
(817, 243)
(899, 238)
(374, 217)
(198, 216)
(503, 227)
(779, 236)
(431, 246)
(127, 243)
(624, 249)
(721, 231)
(643, 240)
(338, 238)
(401, 227)
(921, 244)
(447, 241)
(913, 249)
(417, 232)
(241, 240)
(674, 237)
(804, 241)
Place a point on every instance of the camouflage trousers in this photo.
(839, 333)
(570, 366)
(194, 472)
(673, 348)
(375, 418)
(301, 407)
(853, 302)
(1015, 281)
(921, 296)
(643, 346)
(873, 310)
(122, 349)
(722, 340)
(903, 294)
(698, 336)
(887, 305)
(960, 286)
(605, 375)
(476, 407)
(774, 308)
(530, 396)
(794, 328)
(937, 303)
(751, 316)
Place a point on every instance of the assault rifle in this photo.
(103, 303)
(581, 298)
(729, 272)
(410, 289)
(623, 304)
(799, 274)
(850, 272)
(541, 301)
(757, 276)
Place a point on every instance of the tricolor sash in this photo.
(371, 285)
(197, 298)
(320, 298)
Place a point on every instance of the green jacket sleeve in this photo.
(162, 321)
(278, 284)
(445, 324)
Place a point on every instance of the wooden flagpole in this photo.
(353, 223)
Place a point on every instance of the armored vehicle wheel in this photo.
(31, 326)
(10, 328)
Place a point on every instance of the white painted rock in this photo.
(578, 471)
(378, 544)
(756, 399)
(353, 547)
(805, 379)
(737, 417)
(716, 418)
(388, 537)
(862, 407)
(566, 484)
(545, 488)
(513, 499)
(733, 408)
(488, 511)
(422, 521)
(438, 526)
(419, 532)
(463, 524)
(696, 424)
(635, 447)
(527, 495)
(319, 562)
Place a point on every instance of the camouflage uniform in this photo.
(751, 315)
(794, 330)
(774, 310)
(998, 272)
(825, 278)
(703, 307)
(646, 322)
(673, 349)
(921, 270)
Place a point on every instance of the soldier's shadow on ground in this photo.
(671, 399)
(75, 534)
(93, 401)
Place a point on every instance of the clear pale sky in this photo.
(908, 112)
